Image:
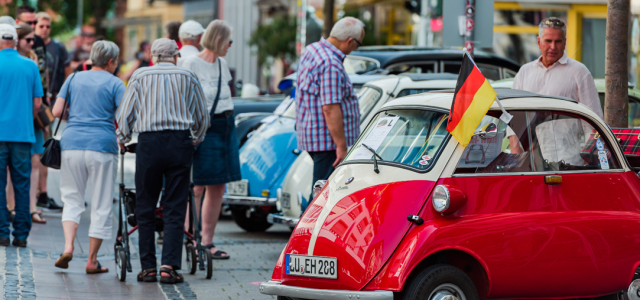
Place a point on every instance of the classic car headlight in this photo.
(317, 187)
(441, 198)
(447, 199)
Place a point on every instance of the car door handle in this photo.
(553, 179)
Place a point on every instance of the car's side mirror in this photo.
(488, 131)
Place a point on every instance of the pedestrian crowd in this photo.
(183, 117)
(178, 100)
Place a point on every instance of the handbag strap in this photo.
(215, 102)
(55, 67)
(66, 103)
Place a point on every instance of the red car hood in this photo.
(361, 230)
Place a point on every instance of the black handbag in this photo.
(52, 155)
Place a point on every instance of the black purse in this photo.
(52, 155)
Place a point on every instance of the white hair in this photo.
(169, 59)
(102, 52)
(347, 27)
(543, 25)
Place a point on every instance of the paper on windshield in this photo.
(375, 138)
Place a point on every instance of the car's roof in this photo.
(511, 99)
(392, 82)
(388, 55)
(430, 76)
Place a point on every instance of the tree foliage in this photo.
(276, 39)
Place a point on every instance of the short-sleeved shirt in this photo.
(94, 98)
(321, 81)
(56, 50)
(20, 83)
(565, 78)
(208, 76)
(186, 51)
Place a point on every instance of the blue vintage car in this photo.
(266, 157)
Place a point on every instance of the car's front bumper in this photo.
(246, 200)
(280, 219)
(276, 288)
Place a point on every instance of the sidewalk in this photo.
(29, 273)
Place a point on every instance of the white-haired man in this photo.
(190, 34)
(328, 116)
(170, 120)
(554, 73)
(22, 93)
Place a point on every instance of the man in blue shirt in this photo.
(22, 91)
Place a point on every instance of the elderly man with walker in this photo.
(166, 106)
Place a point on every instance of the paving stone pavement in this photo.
(29, 273)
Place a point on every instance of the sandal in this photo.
(63, 261)
(148, 275)
(97, 270)
(174, 278)
(37, 218)
(217, 254)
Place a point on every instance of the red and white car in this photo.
(552, 211)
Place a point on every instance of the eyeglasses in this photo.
(230, 42)
(358, 42)
(29, 40)
(554, 22)
(30, 22)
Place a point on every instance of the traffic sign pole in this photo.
(470, 11)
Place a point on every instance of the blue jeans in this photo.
(17, 156)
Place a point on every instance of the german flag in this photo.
(471, 101)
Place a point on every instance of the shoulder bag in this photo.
(52, 155)
(215, 102)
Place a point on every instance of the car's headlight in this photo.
(441, 198)
(317, 187)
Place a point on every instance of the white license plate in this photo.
(238, 188)
(286, 200)
(312, 266)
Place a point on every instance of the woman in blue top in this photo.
(89, 150)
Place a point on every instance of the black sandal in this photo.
(145, 275)
(218, 254)
(175, 276)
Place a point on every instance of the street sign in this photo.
(469, 24)
(471, 11)
(469, 46)
(454, 34)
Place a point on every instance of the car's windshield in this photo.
(358, 65)
(407, 136)
(367, 99)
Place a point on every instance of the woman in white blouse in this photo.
(216, 160)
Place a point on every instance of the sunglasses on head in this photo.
(554, 22)
(30, 40)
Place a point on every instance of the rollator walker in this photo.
(197, 256)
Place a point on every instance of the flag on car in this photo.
(471, 101)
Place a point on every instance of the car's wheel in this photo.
(251, 219)
(439, 281)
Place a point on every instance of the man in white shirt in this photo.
(554, 73)
(190, 34)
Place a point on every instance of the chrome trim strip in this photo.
(280, 219)
(242, 200)
(276, 288)
(538, 173)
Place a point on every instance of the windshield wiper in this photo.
(375, 161)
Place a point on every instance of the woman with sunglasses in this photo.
(216, 160)
(26, 39)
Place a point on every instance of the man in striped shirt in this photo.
(166, 106)
(328, 116)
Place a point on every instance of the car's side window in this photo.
(566, 142)
(504, 152)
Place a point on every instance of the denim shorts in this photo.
(38, 146)
(216, 160)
